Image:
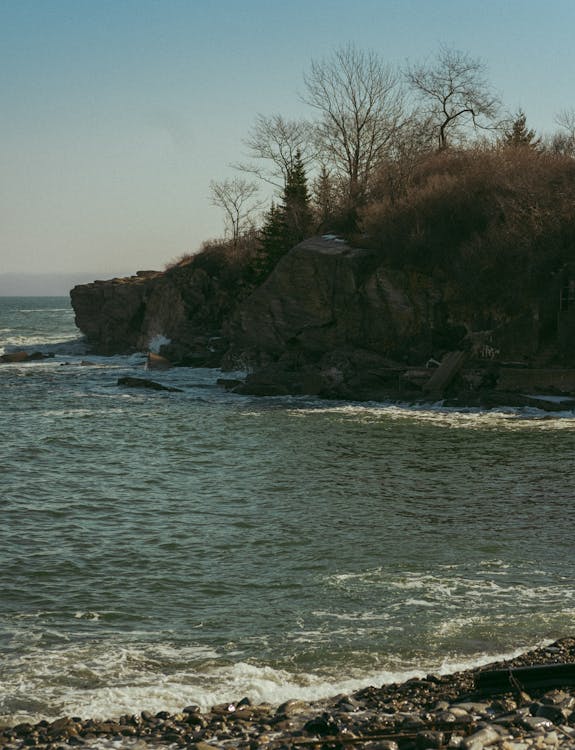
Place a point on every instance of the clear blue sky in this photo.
(116, 114)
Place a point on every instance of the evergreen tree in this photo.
(273, 243)
(519, 134)
(296, 203)
(324, 197)
(286, 224)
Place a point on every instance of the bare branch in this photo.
(455, 95)
(360, 104)
(238, 200)
(563, 142)
(566, 119)
(276, 141)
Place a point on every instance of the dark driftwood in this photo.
(540, 676)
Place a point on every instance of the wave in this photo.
(106, 679)
(461, 586)
(504, 417)
(45, 310)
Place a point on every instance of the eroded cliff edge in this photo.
(330, 320)
(182, 310)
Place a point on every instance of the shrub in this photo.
(496, 222)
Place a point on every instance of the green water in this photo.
(159, 549)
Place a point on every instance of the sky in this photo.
(115, 115)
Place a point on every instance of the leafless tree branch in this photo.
(360, 103)
(455, 94)
(238, 200)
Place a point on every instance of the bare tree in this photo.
(566, 119)
(238, 200)
(276, 142)
(413, 141)
(360, 103)
(563, 142)
(455, 95)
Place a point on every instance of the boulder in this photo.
(15, 357)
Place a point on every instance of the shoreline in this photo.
(486, 399)
(499, 705)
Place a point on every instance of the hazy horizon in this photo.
(47, 284)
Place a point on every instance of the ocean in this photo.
(159, 549)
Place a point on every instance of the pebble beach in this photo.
(449, 711)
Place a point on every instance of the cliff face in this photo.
(183, 308)
(325, 296)
(110, 313)
(329, 320)
(322, 296)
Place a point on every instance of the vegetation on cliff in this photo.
(494, 223)
(464, 218)
(422, 165)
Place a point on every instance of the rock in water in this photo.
(157, 362)
(20, 356)
(145, 383)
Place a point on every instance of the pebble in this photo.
(437, 713)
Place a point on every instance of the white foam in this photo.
(87, 615)
(508, 418)
(454, 588)
(106, 678)
(353, 616)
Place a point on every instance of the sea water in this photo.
(165, 548)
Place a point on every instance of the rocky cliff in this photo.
(182, 311)
(110, 313)
(323, 295)
(330, 319)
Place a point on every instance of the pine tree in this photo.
(273, 243)
(324, 197)
(296, 203)
(519, 134)
(286, 224)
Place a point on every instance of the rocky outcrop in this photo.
(181, 311)
(325, 296)
(129, 382)
(20, 356)
(331, 319)
(110, 313)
